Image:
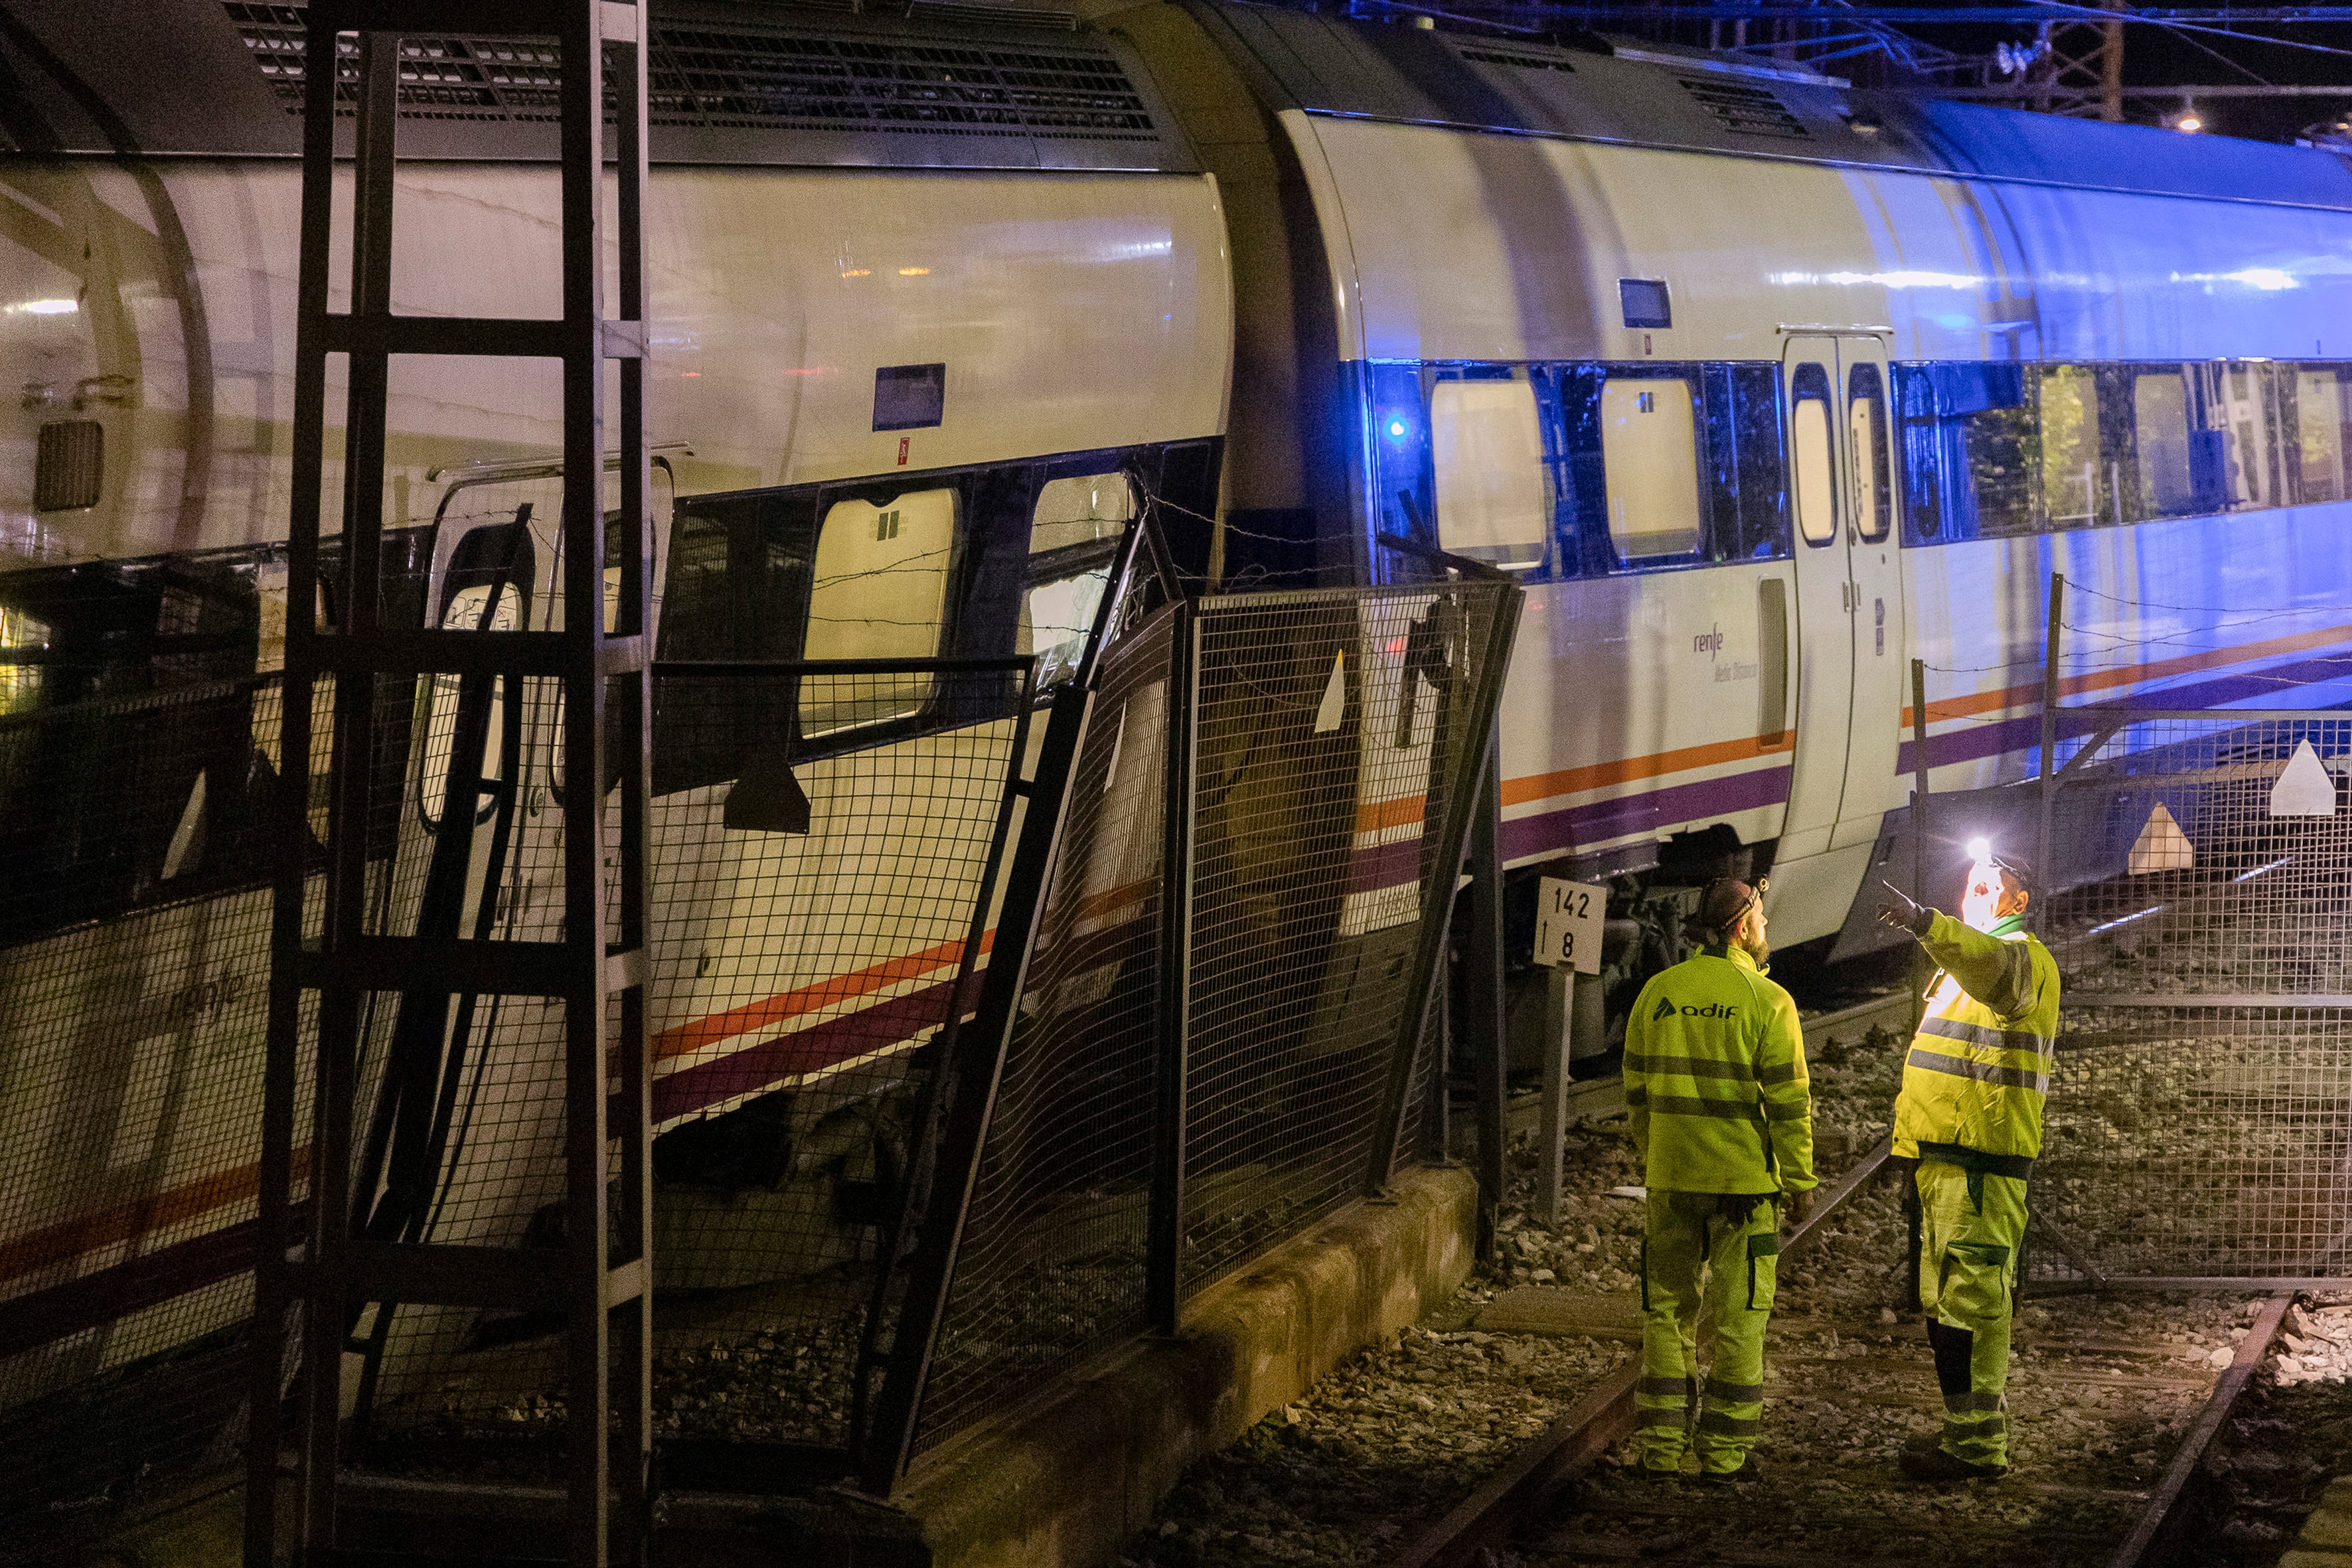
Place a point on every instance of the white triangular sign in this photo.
(2307, 788)
(1335, 696)
(2161, 845)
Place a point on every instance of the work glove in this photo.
(1800, 1206)
(1899, 910)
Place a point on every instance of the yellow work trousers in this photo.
(1727, 1249)
(1971, 1224)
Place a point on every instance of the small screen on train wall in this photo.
(1645, 302)
(909, 396)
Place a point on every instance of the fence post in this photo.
(1912, 1217)
(2042, 840)
(979, 1066)
(1483, 1011)
(1445, 860)
(1164, 1239)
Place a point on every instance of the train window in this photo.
(2069, 444)
(1815, 467)
(1865, 420)
(1080, 509)
(1493, 494)
(22, 638)
(1745, 448)
(2320, 407)
(486, 588)
(2247, 469)
(1968, 445)
(1649, 460)
(878, 590)
(2161, 434)
(1072, 533)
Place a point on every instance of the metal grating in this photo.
(811, 916)
(68, 465)
(1748, 110)
(1051, 1262)
(1331, 741)
(1516, 61)
(1335, 731)
(131, 1049)
(705, 77)
(2200, 1119)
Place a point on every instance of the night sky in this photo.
(2155, 56)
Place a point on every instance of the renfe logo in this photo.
(1709, 641)
(1667, 1009)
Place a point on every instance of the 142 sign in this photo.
(1568, 924)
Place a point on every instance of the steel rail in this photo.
(2151, 1526)
(1593, 1424)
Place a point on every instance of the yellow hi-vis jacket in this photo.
(1978, 1068)
(1714, 1080)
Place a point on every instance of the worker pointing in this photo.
(1722, 1113)
(1970, 1112)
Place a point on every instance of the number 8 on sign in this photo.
(1568, 924)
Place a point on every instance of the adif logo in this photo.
(1667, 1009)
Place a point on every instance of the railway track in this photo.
(1839, 1390)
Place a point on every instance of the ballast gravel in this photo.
(2102, 1390)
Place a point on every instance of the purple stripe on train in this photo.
(1601, 821)
(2025, 733)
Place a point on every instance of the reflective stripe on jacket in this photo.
(1714, 1080)
(1978, 1068)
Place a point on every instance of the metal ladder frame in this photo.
(309, 1258)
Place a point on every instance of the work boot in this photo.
(1749, 1471)
(1924, 1459)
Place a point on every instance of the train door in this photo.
(1849, 599)
(1873, 785)
(1825, 623)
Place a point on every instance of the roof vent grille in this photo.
(1749, 111)
(1523, 62)
(740, 78)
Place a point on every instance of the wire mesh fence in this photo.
(1051, 1262)
(821, 847)
(2185, 1142)
(1334, 735)
(2200, 1123)
(135, 940)
(1334, 730)
(825, 843)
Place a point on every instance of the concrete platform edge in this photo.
(1066, 1482)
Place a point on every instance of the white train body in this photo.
(1460, 235)
(1476, 206)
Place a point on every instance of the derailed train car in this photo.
(914, 380)
(1760, 385)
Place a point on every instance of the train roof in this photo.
(1642, 95)
(951, 84)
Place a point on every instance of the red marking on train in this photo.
(903, 442)
(806, 999)
(131, 1218)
